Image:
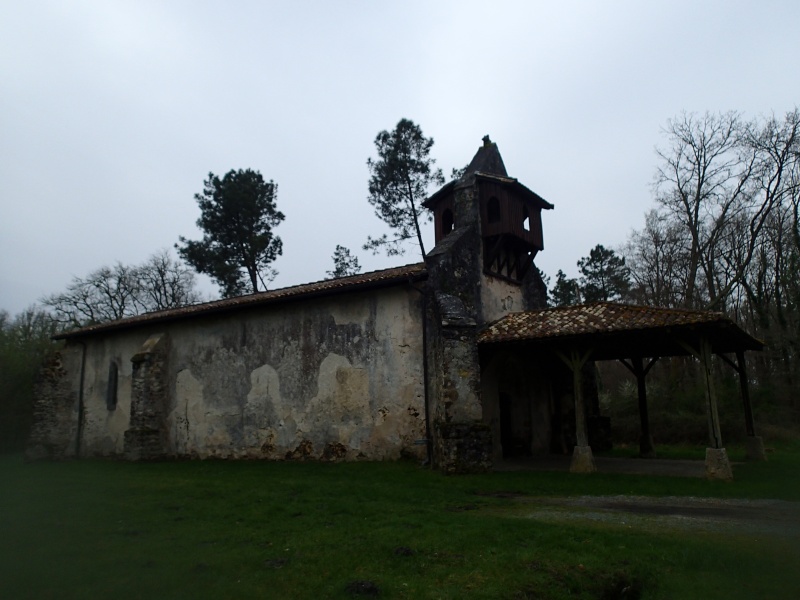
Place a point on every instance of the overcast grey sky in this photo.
(112, 113)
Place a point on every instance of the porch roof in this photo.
(614, 330)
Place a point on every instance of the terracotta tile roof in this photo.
(610, 319)
(600, 317)
(384, 277)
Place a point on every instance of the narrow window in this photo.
(526, 220)
(493, 210)
(447, 222)
(111, 392)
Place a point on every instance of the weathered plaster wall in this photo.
(499, 297)
(332, 377)
(104, 429)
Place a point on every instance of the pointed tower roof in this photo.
(487, 165)
(487, 160)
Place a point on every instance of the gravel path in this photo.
(735, 516)
(630, 466)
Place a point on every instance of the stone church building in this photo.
(442, 360)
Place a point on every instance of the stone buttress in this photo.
(146, 438)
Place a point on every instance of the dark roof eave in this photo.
(525, 191)
(433, 198)
(529, 195)
(228, 305)
(730, 331)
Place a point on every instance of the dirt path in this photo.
(604, 464)
(735, 516)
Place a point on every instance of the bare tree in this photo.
(165, 283)
(774, 147)
(111, 293)
(658, 259)
(702, 180)
(721, 178)
(771, 290)
(729, 214)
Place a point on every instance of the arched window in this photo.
(493, 210)
(447, 222)
(111, 391)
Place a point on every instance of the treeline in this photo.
(24, 342)
(725, 234)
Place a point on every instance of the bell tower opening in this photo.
(447, 222)
(493, 210)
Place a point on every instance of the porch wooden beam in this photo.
(525, 262)
(754, 446)
(493, 253)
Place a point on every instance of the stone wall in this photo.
(56, 409)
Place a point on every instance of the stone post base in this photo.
(754, 448)
(717, 464)
(647, 449)
(582, 460)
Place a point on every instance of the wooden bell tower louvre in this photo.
(509, 215)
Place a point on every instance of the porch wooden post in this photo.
(582, 459)
(581, 435)
(754, 446)
(646, 446)
(717, 464)
(714, 433)
(748, 411)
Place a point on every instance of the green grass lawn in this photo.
(219, 529)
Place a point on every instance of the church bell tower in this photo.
(508, 214)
